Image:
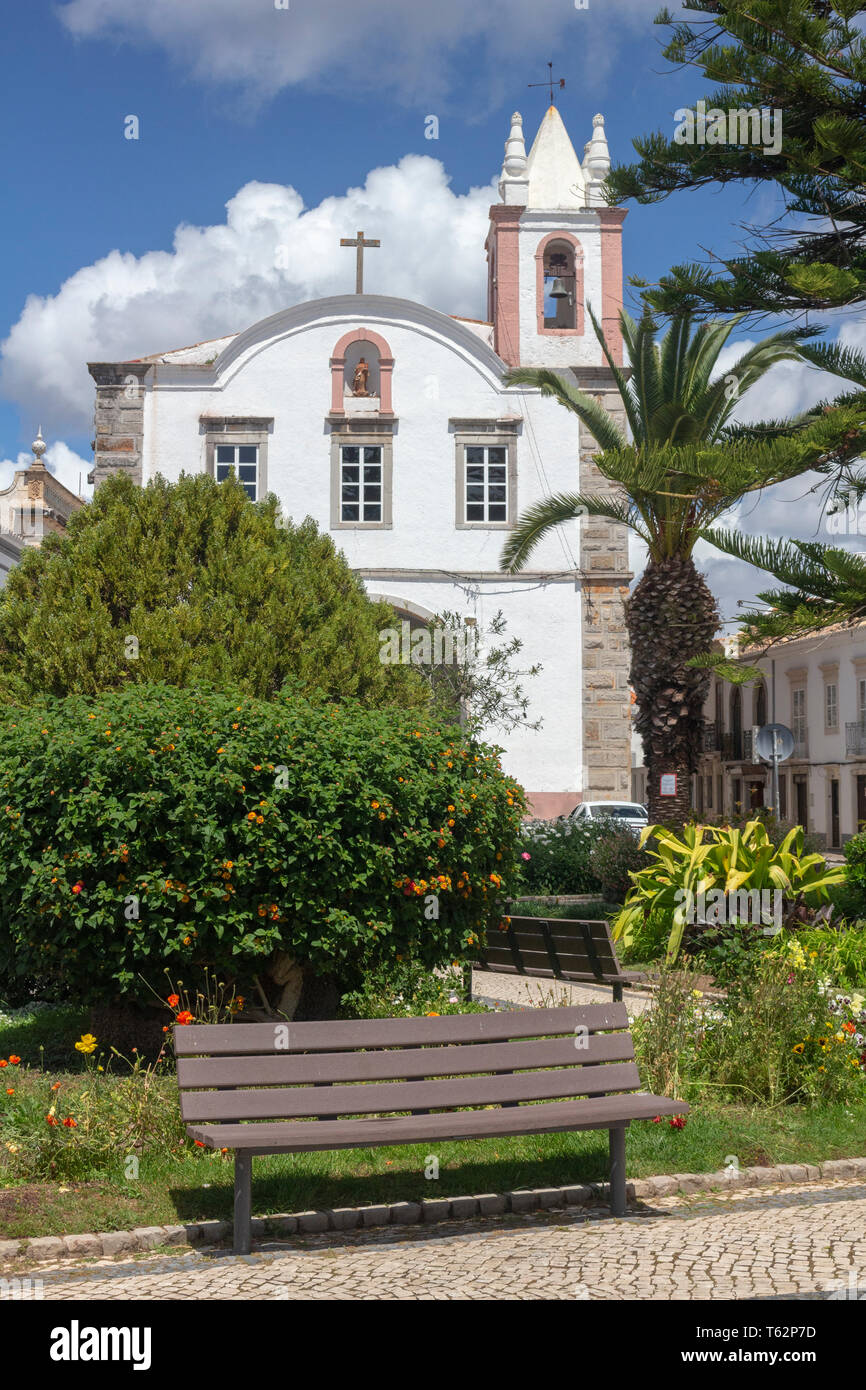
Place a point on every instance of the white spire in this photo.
(38, 446)
(513, 181)
(556, 179)
(597, 162)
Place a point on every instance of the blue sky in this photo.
(252, 95)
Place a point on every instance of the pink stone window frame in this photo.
(577, 252)
(338, 367)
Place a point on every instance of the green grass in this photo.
(49, 1032)
(171, 1185)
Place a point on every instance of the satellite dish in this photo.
(774, 741)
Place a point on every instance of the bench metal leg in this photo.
(617, 994)
(617, 1172)
(243, 1201)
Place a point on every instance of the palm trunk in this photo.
(671, 616)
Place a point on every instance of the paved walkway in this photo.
(550, 994)
(803, 1241)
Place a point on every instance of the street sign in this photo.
(668, 784)
(774, 743)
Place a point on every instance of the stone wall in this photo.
(606, 651)
(118, 419)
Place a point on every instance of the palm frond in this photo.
(592, 414)
(535, 523)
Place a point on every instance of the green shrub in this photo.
(719, 862)
(615, 856)
(405, 987)
(157, 829)
(556, 858)
(782, 1035)
(853, 896)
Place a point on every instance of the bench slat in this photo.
(574, 962)
(245, 1039)
(313, 1136)
(408, 1063)
(371, 1098)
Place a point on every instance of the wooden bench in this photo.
(262, 1088)
(557, 948)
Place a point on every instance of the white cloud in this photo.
(220, 279)
(411, 51)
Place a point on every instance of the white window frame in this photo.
(831, 707)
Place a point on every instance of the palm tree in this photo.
(826, 583)
(685, 467)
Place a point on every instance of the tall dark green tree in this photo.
(685, 467)
(191, 583)
(806, 60)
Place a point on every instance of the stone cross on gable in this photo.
(359, 243)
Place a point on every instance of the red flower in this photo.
(77, 887)
(657, 1119)
(173, 1000)
(199, 1144)
(50, 1119)
(70, 1123)
(185, 1017)
(13, 1060)
(678, 1122)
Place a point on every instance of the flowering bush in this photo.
(158, 828)
(556, 856)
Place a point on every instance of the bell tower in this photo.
(554, 246)
(555, 249)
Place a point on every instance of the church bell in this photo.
(558, 290)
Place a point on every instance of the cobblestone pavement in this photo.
(803, 1241)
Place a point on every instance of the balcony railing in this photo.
(801, 746)
(748, 753)
(732, 746)
(855, 739)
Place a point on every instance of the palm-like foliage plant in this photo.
(685, 466)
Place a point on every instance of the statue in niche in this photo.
(359, 380)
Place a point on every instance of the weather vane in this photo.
(551, 83)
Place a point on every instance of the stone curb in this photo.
(428, 1210)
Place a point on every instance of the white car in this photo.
(629, 813)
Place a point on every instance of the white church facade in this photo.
(390, 424)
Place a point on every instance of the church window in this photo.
(361, 482)
(244, 459)
(486, 483)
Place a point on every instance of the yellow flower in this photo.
(798, 1047)
(86, 1044)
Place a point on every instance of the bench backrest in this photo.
(562, 948)
(266, 1071)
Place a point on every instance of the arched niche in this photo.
(361, 362)
(559, 258)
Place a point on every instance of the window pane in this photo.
(372, 453)
(350, 453)
(247, 472)
(474, 512)
(351, 475)
(372, 512)
(225, 453)
(351, 492)
(474, 475)
(496, 454)
(250, 490)
(372, 473)
(497, 494)
(475, 494)
(372, 493)
(248, 453)
(496, 474)
(474, 454)
(222, 472)
(350, 512)
(497, 513)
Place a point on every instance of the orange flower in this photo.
(70, 1123)
(251, 816)
(184, 1017)
(50, 1120)
(173, 1000)
(10, 1090)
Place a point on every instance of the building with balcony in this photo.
(816, 686)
